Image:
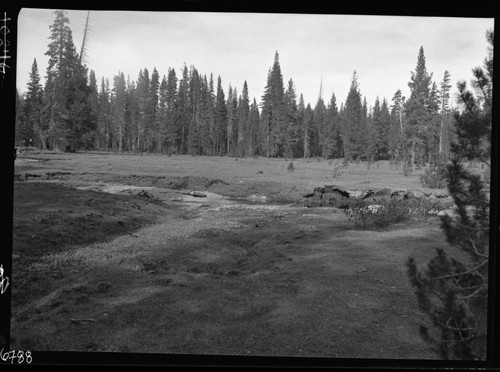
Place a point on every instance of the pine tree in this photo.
(143, 95)
(131, 115)
(153, 110)
(243, 124)
(334, 148)
(352, 122)
(433, 131)
(289, 134)
(417, 128)
(104, 116)
(193, 112)
(170, 107)
(367, 133)
(309, 129)
(301, 133)
(396, 131)
(162, 114)
(272, 107)
(254, 128)
(118, 109)
(454, 292)
(93, 100)
(320, 144)
(32, 125)
(182, 113)
(220, 120)
(232, 120)
(444, 114)
(207, 116)
(66, 106)
(384, 131)
(20, 121)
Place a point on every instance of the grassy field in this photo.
(245, 270)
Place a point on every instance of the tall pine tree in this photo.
(353, 119)
(32, 131)
(417, 118)
(272, 107)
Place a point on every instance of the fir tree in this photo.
(334, 148)
(301, 132)
(417, 120)
(290, 134)
(254, 128)
(352, 122)
(170, 106)
(182, 112)
(309, 129)
(131, 115)
(272, 106)
(118, 109)
(220, 119)
(320, 139)
(396, 131)
(444, 114)
(104, 116)
(57, 79)
(243, 125)
(32, 127)
(20, 121)
(93, 100)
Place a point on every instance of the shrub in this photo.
(434, 176)
(291, 167)
(391, 212)
(337, 168)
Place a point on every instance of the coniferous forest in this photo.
(191, 113)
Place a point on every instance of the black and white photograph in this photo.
(306, 186)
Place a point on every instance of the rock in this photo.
(314, 200)
(335, 199)
(332, 188)
(145, 194)
(383, 195)
(196, 194)
(258, 198)
(417, 194)
(214, 182)
(327, 196)
(355, 193)
(400, 195)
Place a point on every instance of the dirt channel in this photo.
(126, 264)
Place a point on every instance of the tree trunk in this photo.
(412, 156)
(120, 138)
(441, 137)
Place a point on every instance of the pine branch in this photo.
(471, 271)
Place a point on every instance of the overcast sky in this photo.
(241, 46)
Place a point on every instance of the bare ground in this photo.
(244, 270)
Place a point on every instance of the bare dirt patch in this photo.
(244, 270)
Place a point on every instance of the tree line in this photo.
(192, 114)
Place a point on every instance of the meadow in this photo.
(213, 256)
